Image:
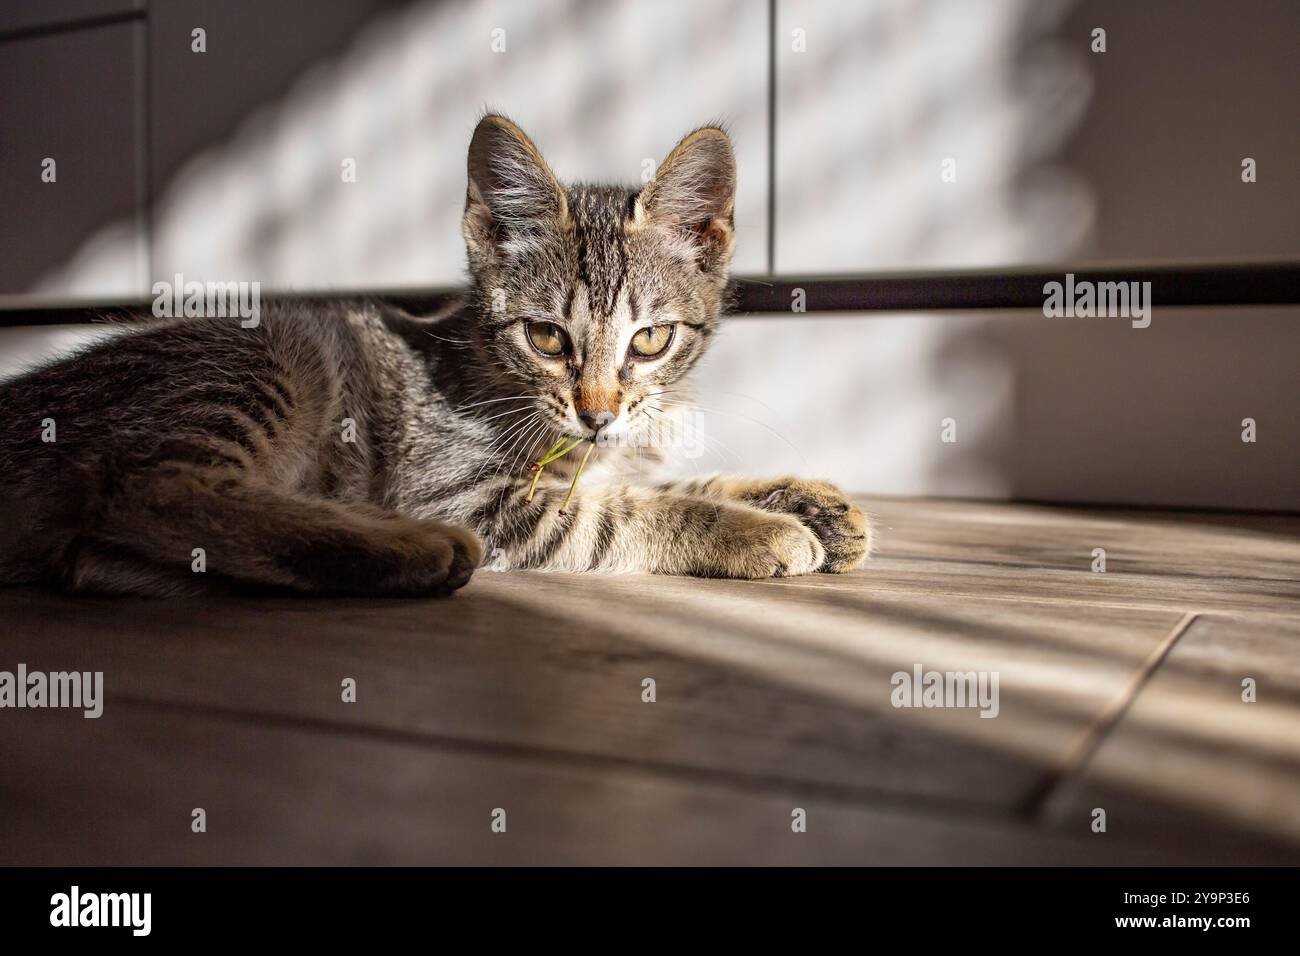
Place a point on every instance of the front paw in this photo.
(842, 527)
(750, 544)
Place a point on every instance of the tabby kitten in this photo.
(347, 447)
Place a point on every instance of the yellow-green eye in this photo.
(652, 340)
(547, 337)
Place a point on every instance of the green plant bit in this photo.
(558, 450)
(576, 475)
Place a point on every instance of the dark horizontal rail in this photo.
(1192, 285)
(1171, 286)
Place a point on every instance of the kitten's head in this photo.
(596, 298)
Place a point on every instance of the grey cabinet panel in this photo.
(255, 51)
(987, 133)
(1184, 93)
(248, 164)
(72, 97)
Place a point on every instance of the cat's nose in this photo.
(596, 408)
(596, 419)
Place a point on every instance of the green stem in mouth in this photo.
(576, 475)
(553, 454)
(558, 450)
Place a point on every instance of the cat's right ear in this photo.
(512, 195)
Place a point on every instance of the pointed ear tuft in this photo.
(693, 197)
(512, 194)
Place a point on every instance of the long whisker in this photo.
(443, 338)
(742, 417)
(490, 401)
(510, 454)
(713, 444)
(513, 411)
(513, 431)
(529, 442)
(753, 398)
(509, 429)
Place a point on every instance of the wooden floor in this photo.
(1119, 690)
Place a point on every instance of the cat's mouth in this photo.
(620, 429)
(563, 428)
(625, 427)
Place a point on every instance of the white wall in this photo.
(1083, 410)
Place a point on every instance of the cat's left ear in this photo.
(692, 198)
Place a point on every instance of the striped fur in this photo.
(345, 447)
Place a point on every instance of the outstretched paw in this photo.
(746, 544)
(843, 529)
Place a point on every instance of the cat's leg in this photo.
(842, 527)
(94, 567)
(176, 518)
(633, 528)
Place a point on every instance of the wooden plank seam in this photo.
(1090, 738)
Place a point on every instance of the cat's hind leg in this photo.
(94, 567)
(177, 519)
